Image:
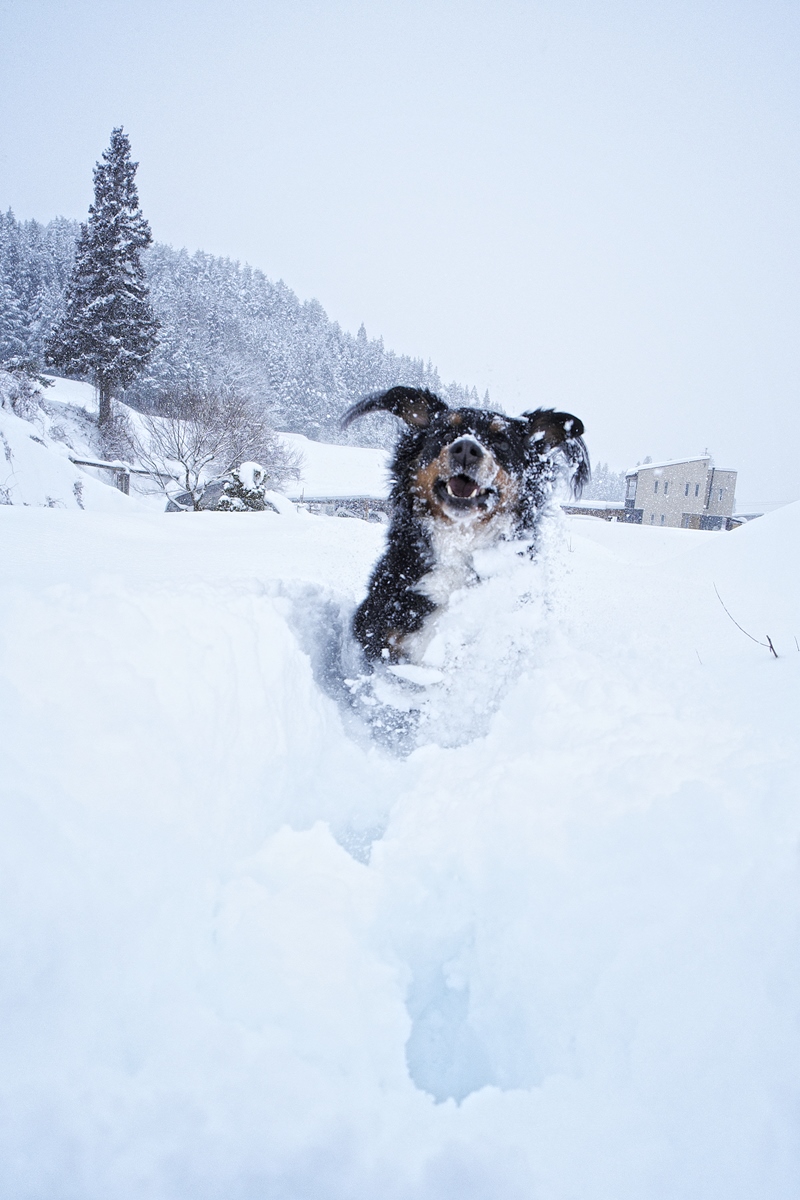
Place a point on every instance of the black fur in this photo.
(526, 455)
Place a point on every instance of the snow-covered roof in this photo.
(589, 504)
(338, 471)
(669, 462)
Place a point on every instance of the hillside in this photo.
(222, 324)
(58, 423)
(247, 952)
(41, 429)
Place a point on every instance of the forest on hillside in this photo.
(224, 325)
(221, 325)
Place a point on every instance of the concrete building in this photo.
(686, 493)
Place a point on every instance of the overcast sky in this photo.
(590, 204)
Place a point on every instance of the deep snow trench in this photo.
(549, 951)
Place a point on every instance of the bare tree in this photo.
(202, 434)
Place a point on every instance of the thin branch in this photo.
(767, 644)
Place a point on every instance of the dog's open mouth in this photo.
(462, 492)
(461, 487)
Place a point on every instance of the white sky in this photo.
(592, 205)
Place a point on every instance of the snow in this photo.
(249, 951)
(35, 469)
(72, 392)
(252, 475)
(617, 505)
(415, 674)
(761, 506)
(36, 452)
(65, 425)
(336, 471)
(668, 462)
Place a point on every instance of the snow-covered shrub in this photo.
(117, 438)
(202, 434)
(244, 491)
(20, 393)
(57, 433)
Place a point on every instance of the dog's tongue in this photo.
(462, 486)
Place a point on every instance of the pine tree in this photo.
(12, 326)
(108, 330)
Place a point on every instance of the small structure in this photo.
(368, 508)
(122, 472)
(685, 493)
(606, 510)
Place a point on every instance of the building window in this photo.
(652, 518)
(686, 490)
(662, 518)
(655, 486)
(697, 489)
(666, 486)
(721, 490)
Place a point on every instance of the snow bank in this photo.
(248, 953)
(35, 466)
(36, 450)
(35, 469)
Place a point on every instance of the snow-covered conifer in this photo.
(108, 330)
(244, 491)
(13, 327)
(222, 327)
(605, 484)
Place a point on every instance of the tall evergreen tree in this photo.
(108, 330)
(12, 325)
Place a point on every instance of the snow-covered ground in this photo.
(39, 440)
(35, 453)
(250, 953)
(337, 470)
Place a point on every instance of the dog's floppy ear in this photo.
(550, 430)
(415, 406)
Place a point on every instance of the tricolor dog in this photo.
(463, 479)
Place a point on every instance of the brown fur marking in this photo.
(427, 503)
(425, 479)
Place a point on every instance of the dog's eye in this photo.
(503, 447)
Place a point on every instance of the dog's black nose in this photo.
(465, 453)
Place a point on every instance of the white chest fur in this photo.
(454, 545)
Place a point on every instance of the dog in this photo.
(463, 480)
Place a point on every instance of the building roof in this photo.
(669, 462)
(580, 504)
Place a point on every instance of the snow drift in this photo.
(249, 953)
(40, 433)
